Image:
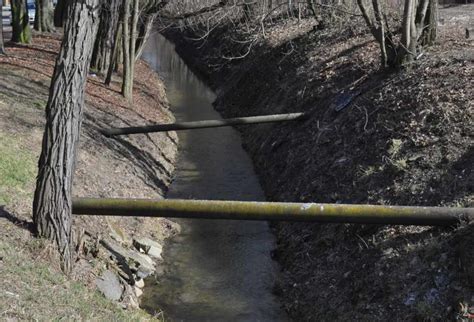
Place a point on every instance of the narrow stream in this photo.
(214, 270)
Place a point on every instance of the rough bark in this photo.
(52, 202)
(21, 31)
(60, 13)
(44, 16)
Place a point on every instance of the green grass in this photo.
(17, 169)
(32, 290)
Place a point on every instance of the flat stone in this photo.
(135, 260)
(138, 291)
(140, 283)
(149, 247)
(109, 285)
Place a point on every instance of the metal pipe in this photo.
(203, 124)
(273, 211)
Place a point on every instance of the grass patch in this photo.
(32, 290)
(17, 169)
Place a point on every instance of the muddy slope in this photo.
(399, 138)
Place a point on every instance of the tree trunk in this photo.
(380, 32)
(114, 54)
(109, 18)
(60, 13)
(2, 48)
(21, 31)
(144, 30)
(419, 28)
(44, 16)
(133, 43)
(52, 203)
(312, 8)
(428, 27)
(126, 79)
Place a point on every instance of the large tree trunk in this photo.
(21, 31)
(2, 48)
(60, 13)
(44, 16)
(103, 47)
(52, 203)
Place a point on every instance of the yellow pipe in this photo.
(273, 211)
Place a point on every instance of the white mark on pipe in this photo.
(322, 208)
(306, 206)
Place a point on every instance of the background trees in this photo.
(418, 30)
(44, 15)
(60, 12)
(21, 31)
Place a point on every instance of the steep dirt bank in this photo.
(137, 166)
(399, 138)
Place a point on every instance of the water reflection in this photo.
(214, 270)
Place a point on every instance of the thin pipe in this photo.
(203, 124)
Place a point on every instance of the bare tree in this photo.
(52, 202)
(418, 30)
(127, 84)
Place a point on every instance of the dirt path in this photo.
(137, 166)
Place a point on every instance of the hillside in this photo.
(32, 285)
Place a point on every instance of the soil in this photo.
(372, 136)
(139, 166)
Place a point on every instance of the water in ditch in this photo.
(213, 270)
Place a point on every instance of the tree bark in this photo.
(2, 48)
(60, 13)
(114, 54)
(109, 19)
(133, 43)
(52, 202)
(126, 77)
(44, 16)
(21, 31)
